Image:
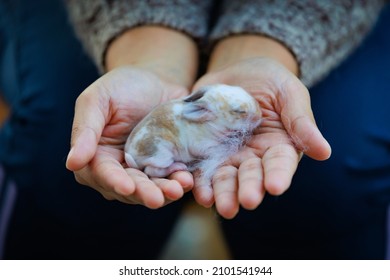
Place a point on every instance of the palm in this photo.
(132, 94)
(271, 135)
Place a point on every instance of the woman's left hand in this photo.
(269, 160)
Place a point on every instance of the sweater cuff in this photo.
(98, 22)
(319, 33)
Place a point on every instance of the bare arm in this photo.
(169, 54)
(239, 47)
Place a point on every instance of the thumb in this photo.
(299, 122)
(88, 124)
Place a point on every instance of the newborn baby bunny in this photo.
(198, 132)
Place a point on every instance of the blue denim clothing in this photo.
(43, 70)
(335, 209)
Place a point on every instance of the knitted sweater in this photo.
(319, 33)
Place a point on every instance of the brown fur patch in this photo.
(146, 146)
(160, 125)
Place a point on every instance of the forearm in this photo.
(170, 54)
(235, 48)
(103, 24)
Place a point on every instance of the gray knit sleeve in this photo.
(98, 22)
(319, 33)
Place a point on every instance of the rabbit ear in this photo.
(197, 112)
(195, 96)
(195, 109)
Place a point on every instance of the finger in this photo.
(171, 189)
(299, 122)
(225, 187)
(146, 190)
(184, 178)
(133, 198)
(250, 180)
(84, 177)
(109, 174)
(279, 163)
(91, 111)
(202, 191)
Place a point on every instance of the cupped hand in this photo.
(105, 114)
(269, 160)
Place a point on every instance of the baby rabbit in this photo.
(198, 132)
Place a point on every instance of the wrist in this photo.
(169, 54)
(236, 48)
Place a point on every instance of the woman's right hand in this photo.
(105, 114)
